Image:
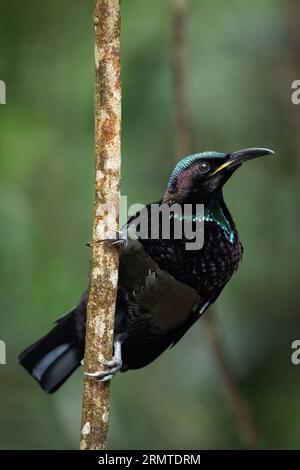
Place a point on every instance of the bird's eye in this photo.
(204, 167)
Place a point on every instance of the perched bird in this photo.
(163, 287)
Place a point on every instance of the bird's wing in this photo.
(152, 295)
(196, 313)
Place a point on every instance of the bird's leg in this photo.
(120, 240)
(113, 365)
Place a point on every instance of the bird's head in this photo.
(197, 178)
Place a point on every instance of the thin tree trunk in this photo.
(184, 145)
(104, 273)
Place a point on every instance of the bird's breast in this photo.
(206, 270)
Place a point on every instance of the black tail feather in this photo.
(52, 359)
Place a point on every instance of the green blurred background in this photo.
(243, 57)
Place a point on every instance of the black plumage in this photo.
(163, 287)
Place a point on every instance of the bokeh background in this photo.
(243, 57)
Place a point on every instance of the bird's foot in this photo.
(113, 365)
(120, 241)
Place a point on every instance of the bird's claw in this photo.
(103, 375)
(107, 378)
(107, 374)
(114, 365)
(120, 241)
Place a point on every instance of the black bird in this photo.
(163, 287)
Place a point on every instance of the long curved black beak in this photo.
(241, 156)
(235, 159)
